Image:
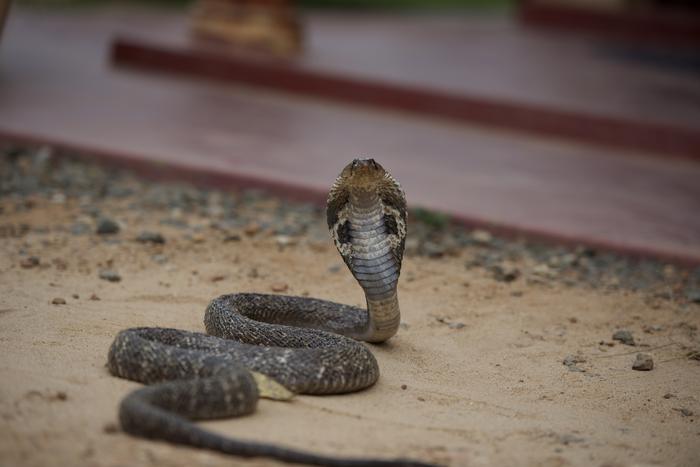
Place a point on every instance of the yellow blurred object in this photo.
(271, 389)
(271, 26)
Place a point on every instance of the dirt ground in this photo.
(474, 377)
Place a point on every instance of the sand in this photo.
(474, 376)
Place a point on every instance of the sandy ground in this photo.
(491, 392)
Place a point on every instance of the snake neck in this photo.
(374, 265)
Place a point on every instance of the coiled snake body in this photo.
(305, 344)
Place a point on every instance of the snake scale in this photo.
(307, 345)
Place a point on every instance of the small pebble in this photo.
(505, 272)
(481, 237)
(669, 395)
(232, 238)
(624, 336)
(285, 241)
(160, 259)
(150, 237)
(404, 387)
(542, 270)
(570, 362)
(456, 325)
(643, 362)
(110, 428)
(79, 228)
(110, 275)
(433, 250)
(652, 328)
(685, 412)
(693, 295)
(58, 301)
(198, 238)
(76, 296)
(94, 297)
(279, 287)
(106, 226)
(29, 262)
(252, 228)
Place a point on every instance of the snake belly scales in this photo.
(307, 345)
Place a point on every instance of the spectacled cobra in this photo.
(307, 345)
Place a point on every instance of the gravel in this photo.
(27, 173)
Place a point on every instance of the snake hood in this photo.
(366, 215)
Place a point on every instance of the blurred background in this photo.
(573, 120)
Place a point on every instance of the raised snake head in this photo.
(366, 181)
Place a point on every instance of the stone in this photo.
(505, 272)
(685, 412)
(285, 241)
(160, 259)
(544, 271)
(150, 237)
(693, 295)
(570, 362)
(110, 275)
(279, 287)
(252, 229)
(624, 336)
(433, 250)
(58, 301)
(197, 238)
(234, 237)
(643, 362)
(30, 262)
(79, 228)
(106, 226)
(481, 237)
(110, 428)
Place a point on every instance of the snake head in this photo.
(362, 175)
(357, 179)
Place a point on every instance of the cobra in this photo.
(255, 342)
